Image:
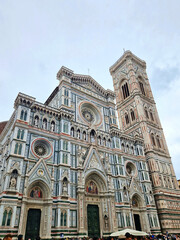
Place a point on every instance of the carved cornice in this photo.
(23, 99)
(59, 113)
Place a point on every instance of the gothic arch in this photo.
(98, 178)
(137, 201)
(46, 192)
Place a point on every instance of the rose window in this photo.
(90, 113)
(41, 147)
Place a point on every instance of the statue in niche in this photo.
(65, 187)
(106, 221)
(13, 180)
(52, 126)
(36, 121)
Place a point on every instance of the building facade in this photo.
(81, 165)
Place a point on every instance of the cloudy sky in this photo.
(37, 37)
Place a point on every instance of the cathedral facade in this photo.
(81, 165)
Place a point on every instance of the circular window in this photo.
(131, 169)
(90, 113)
(42, 148)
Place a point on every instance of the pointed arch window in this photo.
(153, 140)
(65, 145)
(7, 217)
(63, 218)
(127, 118)
(158, 142)
(18, 149)
(151, 116)
(65, 127)
(132, 115)
(65, 158)
(22, 115)
(125, 90)
(18, 134)
(25, 115)
(146, 113)
(142, 88)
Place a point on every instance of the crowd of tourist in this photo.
(126, 237)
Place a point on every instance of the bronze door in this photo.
(137, 222)
(33, 224)
(93, 221)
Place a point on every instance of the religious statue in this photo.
(64, 187)
(106, 221)
(13, 182)
(52, 127)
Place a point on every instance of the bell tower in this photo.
(138, 116)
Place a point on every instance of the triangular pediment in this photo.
(39, 172)
(93, 161)
(87, 82)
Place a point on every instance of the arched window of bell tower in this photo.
(141, 86)
(127, 118)
(125, 90)
(153, 140)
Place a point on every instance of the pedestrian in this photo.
(20, 237)
(128, 236)
(8, 237)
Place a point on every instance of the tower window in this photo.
(151, 115)
(146, 113)
(132, 115)
(127, 118)
(125, 90)
(142, 88)
(158, 142)
(153, 140)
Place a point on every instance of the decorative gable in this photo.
(40, 172)
(93, 161)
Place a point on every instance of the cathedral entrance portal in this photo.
(93, 221)
(137, 222)
(33, 224)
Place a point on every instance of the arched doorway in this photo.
(36, 211)
(97, 204)
(136, 204)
